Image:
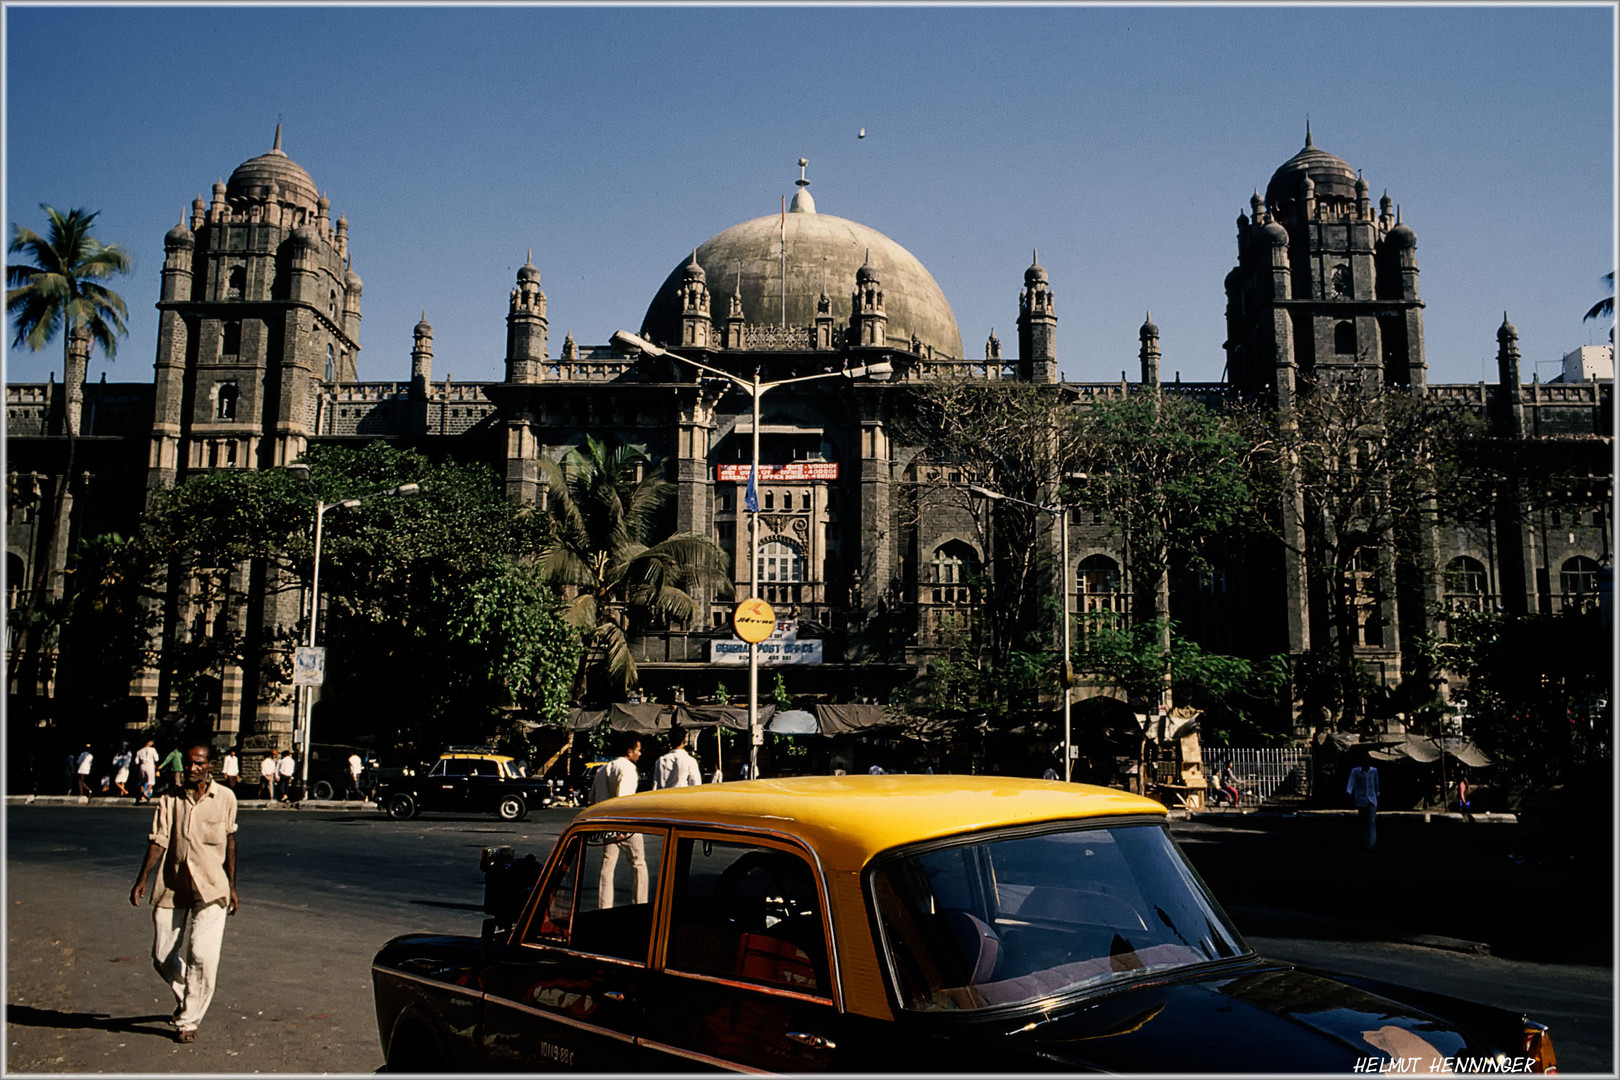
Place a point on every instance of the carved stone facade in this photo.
(256, 359)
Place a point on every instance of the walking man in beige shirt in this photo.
(193, 841)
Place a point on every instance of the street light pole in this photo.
(307, 697)
(756, 390)
(1065, 666)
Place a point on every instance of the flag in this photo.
(751, 500)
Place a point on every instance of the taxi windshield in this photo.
(1011, 919)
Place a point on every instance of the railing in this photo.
(1261, 771)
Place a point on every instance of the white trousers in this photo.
(185, 951)
(610, 861)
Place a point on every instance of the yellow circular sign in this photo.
(754, 620)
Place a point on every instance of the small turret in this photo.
(869, 319)
(1150, 352)
(526, 327)
(1509, 394)
(422, 360)
(696, 328)
(1037, 326)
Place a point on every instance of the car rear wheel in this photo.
(413, 1050)
(512, 808)
(323, 789)
(401, 807)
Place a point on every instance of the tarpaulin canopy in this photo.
(1425, 750)
(842, 719)
(794, 722)
(648, 719)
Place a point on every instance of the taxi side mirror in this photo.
(507, 883)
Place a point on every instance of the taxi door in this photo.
(445, 787)
(745, 980)
(570, 991)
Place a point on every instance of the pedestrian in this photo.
(677, 768)
(285, 768)
(85, 761)
(172, 769)
(1463, 802)
(356, 767)
(146, 760)
(267, 776)
(1229, 786)
(193, 838)
(71, 772)
(121, 763)
(619, 777)
(230, 770)
(1363, 786)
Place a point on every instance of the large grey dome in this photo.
(820, 248)
(1332, 179)
(253, 177)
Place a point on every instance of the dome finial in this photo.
(801, 181)
(276, 147)
(1308, 143)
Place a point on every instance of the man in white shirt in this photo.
(86, 761)
(267, 775)
(619, 777)
(230, 769)
(286, 769)
(146, 760)
(678, 768)
(356, 766)
(1363, 785)
(193, 840)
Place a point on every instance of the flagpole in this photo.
(784, 268)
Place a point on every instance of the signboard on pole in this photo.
(753, 620)
(772, 653)
(309, 665)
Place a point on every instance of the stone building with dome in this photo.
(257, 359)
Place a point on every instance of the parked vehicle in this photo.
(915, 924)
(466, 782)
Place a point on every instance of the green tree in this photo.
(1375, 467)
(1604, 308)
(609, 503)
(60, 292)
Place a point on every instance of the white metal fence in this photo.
(1261, 771)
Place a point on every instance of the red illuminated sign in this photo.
(797, 471)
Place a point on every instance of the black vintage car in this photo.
(916, 924)
(467, 783)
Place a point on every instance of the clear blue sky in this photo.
(1121, 141)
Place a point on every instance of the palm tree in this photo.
(61, 292)
(1604, 308)
(608, 503)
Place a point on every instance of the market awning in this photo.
(842, 719)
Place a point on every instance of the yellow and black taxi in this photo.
(465, 782)
(890, 924)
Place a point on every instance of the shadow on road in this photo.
(447, 904)
(29, 1016)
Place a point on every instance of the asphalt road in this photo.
(321, 890)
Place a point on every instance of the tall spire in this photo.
(1308, 143)
(276, 148)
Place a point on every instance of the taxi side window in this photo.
(747, 912)
(600, 898)
(457, 767)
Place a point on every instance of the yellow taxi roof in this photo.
(848, 819)
(475, 754)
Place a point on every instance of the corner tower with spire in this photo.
(1323, 284)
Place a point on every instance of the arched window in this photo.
(331, 303)
(1467, 584)
(952, 573)
(331, 370)
(1344, 338)
(227, 401)
(1098, 584)
(1578, 582)
(780, 562)
(231, 338)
